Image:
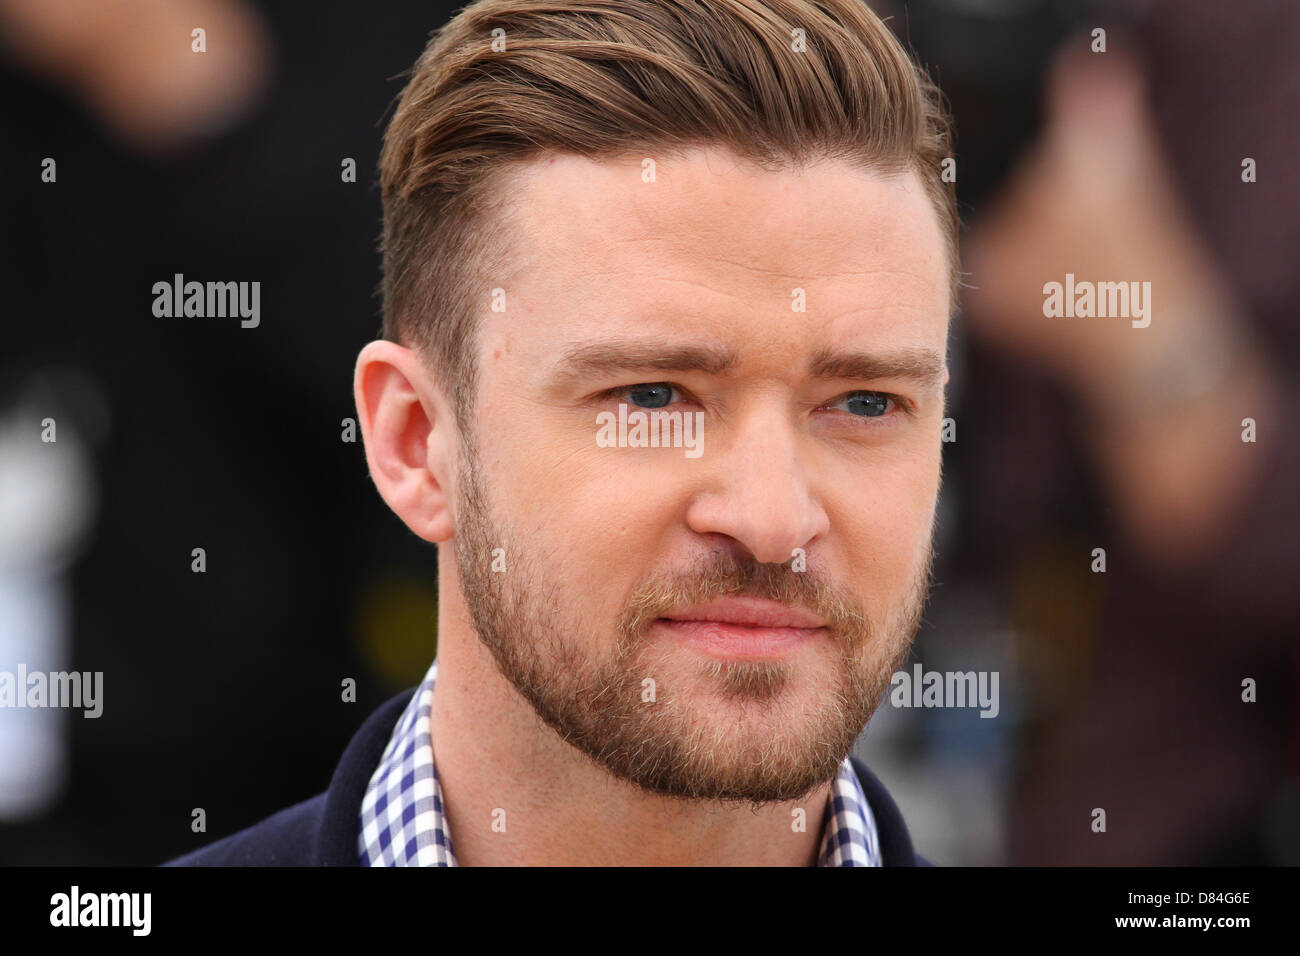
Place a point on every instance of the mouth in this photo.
(743, 627)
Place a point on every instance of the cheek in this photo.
(881, 526)
(592, 518)
(548, 471)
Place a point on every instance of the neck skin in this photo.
(493, 753)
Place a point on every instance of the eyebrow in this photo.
(923, 366)
(601, 358)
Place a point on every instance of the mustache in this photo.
(723, 574)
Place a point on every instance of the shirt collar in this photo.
(403, 822)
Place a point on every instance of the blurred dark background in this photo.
(1119, 690)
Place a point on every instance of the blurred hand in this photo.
(1093, 197)
(1162, 403)
(131, 62)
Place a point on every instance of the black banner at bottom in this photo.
(656, 906)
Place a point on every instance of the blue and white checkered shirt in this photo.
(403, 822)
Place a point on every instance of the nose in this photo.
(758, 491)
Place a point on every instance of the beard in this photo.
(730, 731)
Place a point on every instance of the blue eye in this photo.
(653, 395)
(866, 404)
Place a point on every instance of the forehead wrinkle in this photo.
(684, 253)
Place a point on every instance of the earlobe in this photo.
(405, 427)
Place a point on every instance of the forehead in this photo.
(708, 236)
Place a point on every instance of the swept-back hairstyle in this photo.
(780, 82)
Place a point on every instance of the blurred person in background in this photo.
(184, 433)
(1082, 433)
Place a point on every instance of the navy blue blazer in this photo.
(322, 831)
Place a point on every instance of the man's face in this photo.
(721, 623)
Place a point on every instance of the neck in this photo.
(515, 794)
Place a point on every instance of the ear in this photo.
(410, 437)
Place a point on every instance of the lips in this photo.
(734, 628)
(748, 613)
